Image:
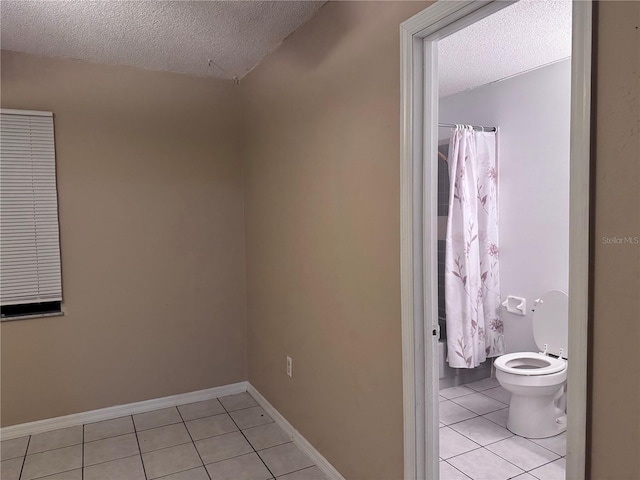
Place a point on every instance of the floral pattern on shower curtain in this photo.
(472, 276)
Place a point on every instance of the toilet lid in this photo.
(551, 323)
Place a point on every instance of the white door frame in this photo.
(418, 217)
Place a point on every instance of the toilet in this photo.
(537, 380)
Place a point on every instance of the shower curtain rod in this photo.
(453, 125)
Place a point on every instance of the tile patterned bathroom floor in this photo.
(475, 443)
(229, 438)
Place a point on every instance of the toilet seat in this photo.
(529, 364)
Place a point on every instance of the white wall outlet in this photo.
(289, 367)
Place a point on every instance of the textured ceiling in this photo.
(176, 36)
(518, 38)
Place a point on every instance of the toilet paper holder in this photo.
(517, 305)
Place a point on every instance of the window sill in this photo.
(31, 316)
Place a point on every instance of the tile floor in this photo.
(475, 443)
(229, 438)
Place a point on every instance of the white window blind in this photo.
(29, 237)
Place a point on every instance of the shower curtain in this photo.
(472, 278)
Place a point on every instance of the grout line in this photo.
(487, 396)
(199, 401)
(546, 448)
(181, 422)
(199, 418)
(481, 414)
(474, 441)
(135, 431)
(24, 458)
(238, 409)
(480, 447)
(522, 470)
(459, 396)
(57, 473)
(106, 438)
(112, 460)
(245, 437)
(175, 473)
(458, 470)
(539, 466)
(276, 445)
(194, 443)
(151, 428)
(508, 461)
(52, 449)
(460, 421)
(171, 446)
(176, 445)
(231, 458)
(490, 443)
(133, 426)
(300, 469)
(206, 438)
(471, 411)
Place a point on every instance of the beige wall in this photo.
(616, 326)
(151, 230)
(322, 190)
(322, 214)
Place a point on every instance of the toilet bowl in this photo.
(537, 380)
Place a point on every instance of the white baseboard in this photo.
(302, 443)
(31, 428)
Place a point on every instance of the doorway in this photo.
(419, 227)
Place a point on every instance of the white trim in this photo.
(37, 113)
(418, 222)
(301, 442)
(406, 256)
(429, 234)
(410, 247)
(579, 239)
(31, 428)
(417, 212)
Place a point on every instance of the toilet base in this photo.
(535, 417)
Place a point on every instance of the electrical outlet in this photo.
(289, 367)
